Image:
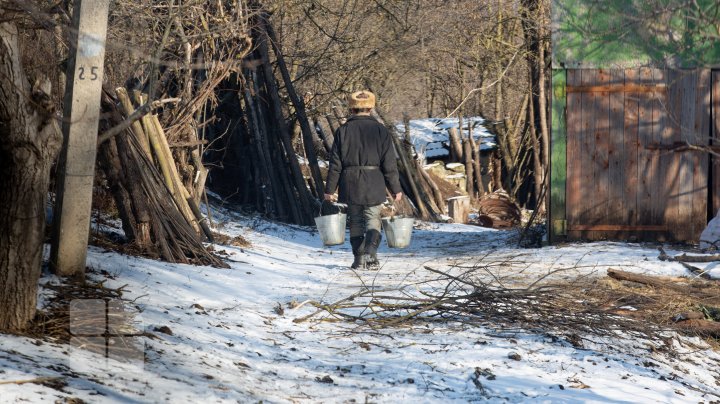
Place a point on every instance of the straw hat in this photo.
(361, 100)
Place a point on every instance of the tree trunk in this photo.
(538, 172)
(533, 22)
(29, 143)
(469, 174)
(456, 150)
(326, 141)
(477, 170)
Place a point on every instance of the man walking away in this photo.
(362, 164)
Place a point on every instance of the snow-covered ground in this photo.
(230, 343)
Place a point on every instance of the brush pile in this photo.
(585, 308)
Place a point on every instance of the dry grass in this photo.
(237, 241)
(114, 320)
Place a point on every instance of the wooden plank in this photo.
(587, 149)
(685, 160)
(574, 156)
(601, 161)
(663, 205)
(616, 152)
(700, 161)
(715, 99)
(630, 156)
(616, 227)
(558, 156)
(619, 88)
(644, 164)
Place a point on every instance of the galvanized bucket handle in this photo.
(339, 205)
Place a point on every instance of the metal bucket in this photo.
(331, 228)
(398, 231)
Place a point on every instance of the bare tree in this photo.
(29, 142)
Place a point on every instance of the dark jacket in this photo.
(362, 162)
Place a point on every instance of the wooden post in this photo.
(80, 125)
(558, 170)
(459, 209)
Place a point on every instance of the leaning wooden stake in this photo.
(430, 188)
(183, 194)
(167, 165)
(299, 108)
(128, 108)
(303, 196)
(437, 194)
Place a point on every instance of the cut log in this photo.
(695, 258)
(198, 215)
(705, 328)
(270, 190)
(144, 197)
(663, 282)
(683, 258)
(459, 209)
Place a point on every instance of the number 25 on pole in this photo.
(92, 74)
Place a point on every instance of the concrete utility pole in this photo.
(80, 125)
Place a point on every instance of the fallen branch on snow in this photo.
(37, 380)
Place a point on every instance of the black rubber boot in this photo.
(372, 242)
(358, 249)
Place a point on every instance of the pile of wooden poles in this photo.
(258, 160)
(158, 214)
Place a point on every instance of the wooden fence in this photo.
(636, 159)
